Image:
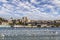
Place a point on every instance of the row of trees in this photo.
(13, 22)
(3, 20)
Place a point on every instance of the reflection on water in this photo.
(29, 34)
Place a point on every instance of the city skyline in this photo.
(33, 9)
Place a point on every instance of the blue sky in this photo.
(33, 9)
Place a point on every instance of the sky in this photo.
(33, 9)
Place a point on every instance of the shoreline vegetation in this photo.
(25, 22)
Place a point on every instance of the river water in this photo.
(8, 33)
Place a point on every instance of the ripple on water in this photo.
(28, 34)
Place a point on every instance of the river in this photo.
(8, 33)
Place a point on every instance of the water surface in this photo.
(8, 33)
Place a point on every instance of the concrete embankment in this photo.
(5, 26)
(23, 26)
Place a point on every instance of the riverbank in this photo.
(5, 26)
(17, 26)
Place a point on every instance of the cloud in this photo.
(34, 1)
(3, 0)
(19, 8)
(57, 2)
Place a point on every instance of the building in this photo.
(24, 19)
